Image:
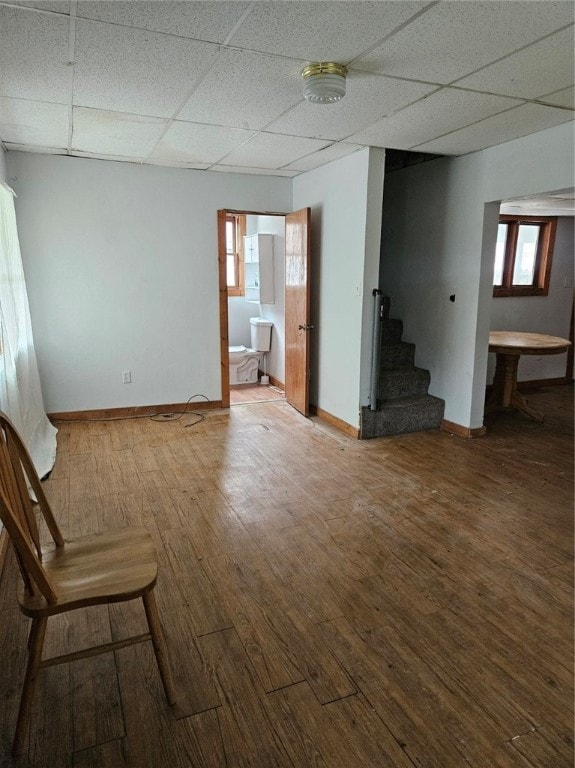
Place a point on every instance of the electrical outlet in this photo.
(126, 377)
(567, 282)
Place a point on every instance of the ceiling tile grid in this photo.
(432, 117)
(531, 72)
(321, 31)
(55, 6)
(102, 156)
(208, 21)
(498, 129)
(323, 156)
(115, 133)
(241, 90)
(35, 123)
(369, 97)
(192, 165)
(132, 70)
(195, 143)
(12, 146)
(564, 98)
(253, 171)
(268, 150)
(218, 85)
(34, 55)
(453, 39)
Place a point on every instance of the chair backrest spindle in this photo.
(17, 512)
(26, 509)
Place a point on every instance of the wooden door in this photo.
(297, 309)
(224, 337)
(569, 368)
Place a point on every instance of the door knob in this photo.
(306, 327)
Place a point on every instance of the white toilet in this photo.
(244, 362)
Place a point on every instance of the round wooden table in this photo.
(508, 347)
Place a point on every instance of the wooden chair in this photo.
(103, 568)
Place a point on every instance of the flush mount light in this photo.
(324, 83)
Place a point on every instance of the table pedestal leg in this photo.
(519, 402)
(504, 393)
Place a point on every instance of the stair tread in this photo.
(405, 414)
(406, 402)
(403, 370)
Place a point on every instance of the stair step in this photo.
(399, 355)
(401, 415)
(402, 383)
(391, 331)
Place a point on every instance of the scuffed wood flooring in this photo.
(327, 602)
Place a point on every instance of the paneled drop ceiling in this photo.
(217, 85)
(559, 204)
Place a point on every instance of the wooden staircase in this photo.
(403, 402)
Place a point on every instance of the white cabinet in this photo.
(259, 268)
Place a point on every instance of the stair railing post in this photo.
(375, 347)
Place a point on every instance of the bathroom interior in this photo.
(256, 284)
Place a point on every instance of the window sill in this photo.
(527, 290)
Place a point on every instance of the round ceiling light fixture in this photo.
(324, 83)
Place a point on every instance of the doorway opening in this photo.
(255, 269)
(264, 306)
(533, 281)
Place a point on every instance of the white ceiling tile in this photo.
(565, 195)
(12, 147)
(564, 98)
(254, 171)
(321, 31)
(245, 90)
(102, 156)
(368, 98)
(267, 150)
(115, 133)
(33, 122)
(195, 143)
(145, 58)
(211, 21)
(179, 164)
(498, 129)
(34, 55)
(130, 70)
(323, 156)
(56, 6)
(531, 72)
(444, 111)
(453, 39)
(542, 205)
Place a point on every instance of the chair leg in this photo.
(159, 644)
(35, 643)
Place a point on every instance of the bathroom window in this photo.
(235, 231)
(523, 254)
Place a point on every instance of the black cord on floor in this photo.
(177, 416)
(168, 416)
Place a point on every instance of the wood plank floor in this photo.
(332, 603)
(254, 393)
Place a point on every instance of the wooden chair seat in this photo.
(102, 568)
(64, 575)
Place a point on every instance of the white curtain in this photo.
(20, 393)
